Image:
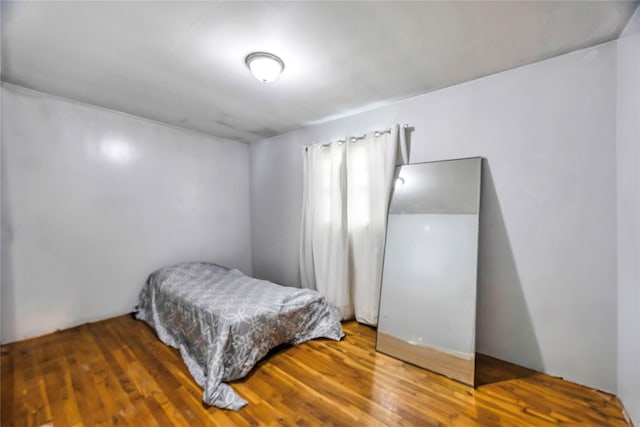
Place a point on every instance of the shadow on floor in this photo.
(490, 370)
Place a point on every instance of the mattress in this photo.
(223, 322)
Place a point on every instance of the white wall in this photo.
(94, 200)
(547, 271)
(628, 155)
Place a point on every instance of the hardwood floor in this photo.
(116, 372)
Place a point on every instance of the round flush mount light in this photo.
(266, 67)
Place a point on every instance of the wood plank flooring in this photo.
(116, 372)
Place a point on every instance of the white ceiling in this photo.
(183, 62)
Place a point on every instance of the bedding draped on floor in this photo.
(223, 322)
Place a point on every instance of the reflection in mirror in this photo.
(428, 296)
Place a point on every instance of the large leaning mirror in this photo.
(428, 295)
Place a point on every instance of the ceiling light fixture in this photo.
(266, 67)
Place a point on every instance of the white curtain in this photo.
(344, 213)
(324, 245)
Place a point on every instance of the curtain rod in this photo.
(358, 138)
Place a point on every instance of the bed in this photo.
(223, 322)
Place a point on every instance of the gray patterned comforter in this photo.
(224, 322)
